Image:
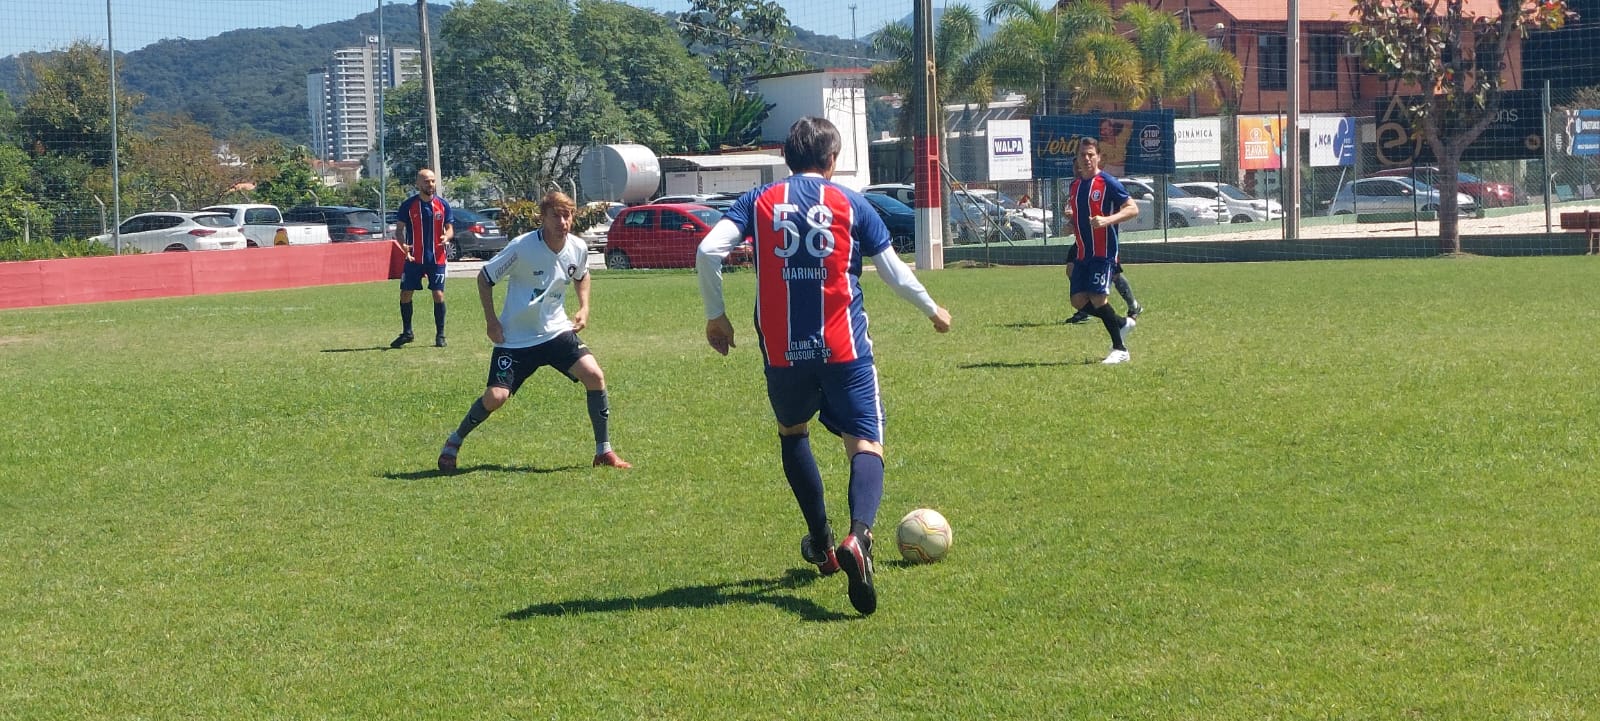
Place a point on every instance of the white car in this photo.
(1183, 209)
(594, 236)
(1022, 222)
(903, 192)
(1240, 206)
(176, 230)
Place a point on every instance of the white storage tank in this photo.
(625, 172)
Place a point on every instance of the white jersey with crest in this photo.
(536, 286)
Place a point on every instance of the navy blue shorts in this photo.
(1092, 276)
(411, 277)
(509, 367)
(844, 394)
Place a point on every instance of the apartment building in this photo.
(342, 98)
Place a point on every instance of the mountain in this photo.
(255, 79)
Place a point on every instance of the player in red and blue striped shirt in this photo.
(810, 236)
(1098, 203)
(424, 230)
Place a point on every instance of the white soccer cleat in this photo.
(1117, 356)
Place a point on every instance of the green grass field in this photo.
(1322, 490)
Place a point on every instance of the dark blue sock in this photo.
(866, 487)
(476, 415)
(405, 317)
(438, 316)
(800, 467)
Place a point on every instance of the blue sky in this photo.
(136, 23)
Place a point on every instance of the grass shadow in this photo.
(1034, 324)
(752, 591)
(355, 350)
(1026, 364)
(480, 468)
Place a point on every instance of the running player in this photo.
(1098, 204)
(810, 236)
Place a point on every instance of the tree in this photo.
(665, 92)
(743, 38)
(957, 78)
(1074, 48)
(68, 106)
(1459, 61)
(178, 156)
(515, 98)
(733, 122)
(1175, 62)
(284, 176)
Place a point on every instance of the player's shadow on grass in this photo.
(1022, 364)
(355, 350)
(480, 468)
(752, 591)
(1033, 324)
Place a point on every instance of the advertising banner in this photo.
(1333, 141)
(1197, 141)
(1137, 143)
(1260, 142)
(1516, 133)
(1010, 150)
(1581, 133)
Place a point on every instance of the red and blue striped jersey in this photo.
(809, 237)
(425, 222)
(1097, 196)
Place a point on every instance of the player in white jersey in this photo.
(532, 328)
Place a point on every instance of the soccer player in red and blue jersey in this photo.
(1098, 203)
(424, 230)
(810, 236)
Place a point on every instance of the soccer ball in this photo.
(924, 536)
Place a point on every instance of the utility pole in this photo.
(925, 142)
(383, 160)
(116, 168)
(852, 24)
(1291, 134)
(427, 89)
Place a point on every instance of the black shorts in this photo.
(509, 367)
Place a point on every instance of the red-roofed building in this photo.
(1332, 77)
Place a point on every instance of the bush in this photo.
(520, 216)
(50, 249)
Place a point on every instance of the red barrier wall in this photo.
(157, 275)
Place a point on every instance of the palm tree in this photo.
(1043, 50)
(1175, 62)
(956, 76)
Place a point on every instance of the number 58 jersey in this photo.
(809, 237)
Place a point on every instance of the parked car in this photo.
(664, 235)
(475, 235)
(903, 192)
(1021, 222)
(900, 218)
(345, 223)
(263, 226)
(177, 230)
(686, 198)
(1485, 193)
(1392, 195)
(594, 236)
(1241, 207)
(1183, 209)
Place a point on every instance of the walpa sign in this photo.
(1009, 146)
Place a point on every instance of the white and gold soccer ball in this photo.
(924, 536)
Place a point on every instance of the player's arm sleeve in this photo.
(723, 238)
(899, 276)
(496, 267)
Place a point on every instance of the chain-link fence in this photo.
(297, 103)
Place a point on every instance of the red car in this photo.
(1486, 193)
(664, 235)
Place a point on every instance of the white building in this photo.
(837, 94)
(342, 98)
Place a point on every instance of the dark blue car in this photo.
(900, 218)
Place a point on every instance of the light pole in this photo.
(852, 24)
(116, 170)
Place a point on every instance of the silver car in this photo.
(1392, 195)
